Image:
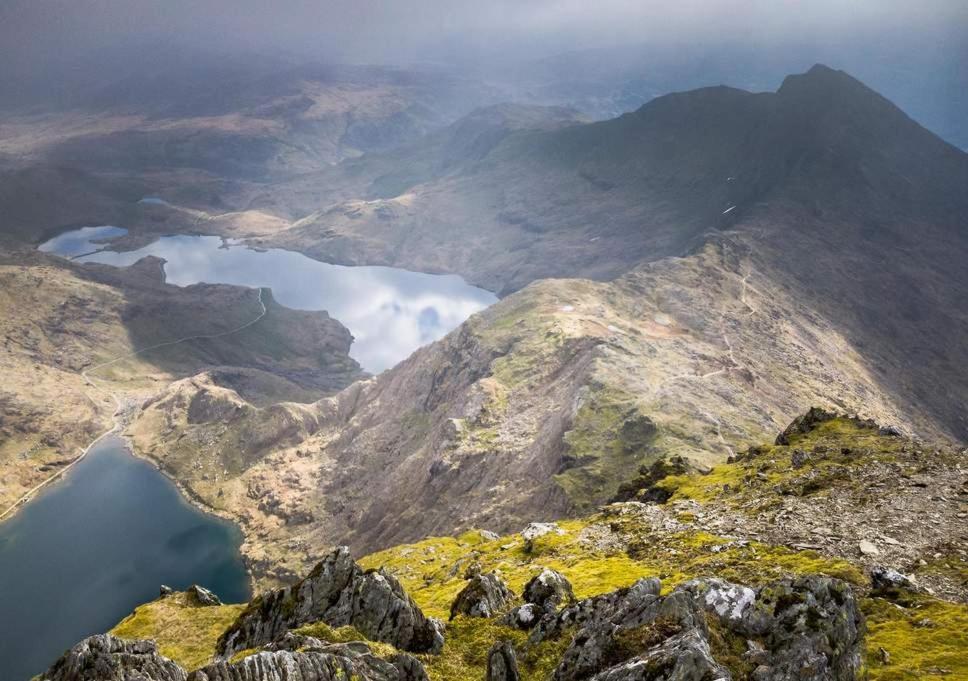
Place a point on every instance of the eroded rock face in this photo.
(107, 658)
(484, 596)
(339, 593)
(807, 628)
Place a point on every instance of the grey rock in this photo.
(808, 628)
(887, 579)
(535, 530)
(591, 609)
(811, 627)
(339, 593)
(202, 596)
(683, 657)
(799, 458)
(107, 658)
(502, 664)
(336, 662)
(804, 424)
(484, 596)
(165, 590)
(523, 616)
(549, 590)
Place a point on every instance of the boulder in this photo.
(535, 530)
(811, 627)
(107, 658)
(339, 593)
(485, 595)
(165, 590)
(502, 665)
(885, 579)
(804, 424)
(523, 616)
(202, 596)
(549, 590)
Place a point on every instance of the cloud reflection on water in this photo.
(390, 312)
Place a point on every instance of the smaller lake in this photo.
(77, 558)
(390, 312)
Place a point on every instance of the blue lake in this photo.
(86, 550)
(390, 312)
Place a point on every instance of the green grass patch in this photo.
(924, 638)
(185, 632)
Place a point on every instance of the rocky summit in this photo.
(739, 572)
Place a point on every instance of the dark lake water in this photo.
(89, 548)
(390, 312)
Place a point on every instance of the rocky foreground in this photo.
(681, 580)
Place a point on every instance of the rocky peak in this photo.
(337, 592)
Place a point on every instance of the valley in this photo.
(296, 325)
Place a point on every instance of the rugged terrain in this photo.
(700, 327)
(698, 577)
(84, 345)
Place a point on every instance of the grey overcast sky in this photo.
(381, 31)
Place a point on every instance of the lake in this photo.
(390, 312)
(87, 549)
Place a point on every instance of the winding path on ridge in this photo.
(116, 416)
(731, 363)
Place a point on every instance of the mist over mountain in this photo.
(543, 341)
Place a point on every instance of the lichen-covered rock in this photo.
(337, 662)
(811, 627)
(202, 596)
(484, 596)
(523, 616)
(502, 664)
(549, 590)
(683, 657)
(884, 579)
(535, 530)
(808, 628)
(108, 658)
(339, 593)
(804, 424)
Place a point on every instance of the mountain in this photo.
(83, 346)
(743, 256)
(623, 593)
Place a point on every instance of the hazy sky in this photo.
(387, 31)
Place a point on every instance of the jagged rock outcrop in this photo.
(543, 595)
(108, 658)
(549, 590)
(484, 596)
(338, 592)
(202, 596)
(808, 628)
(502, 663)
(303, 658)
